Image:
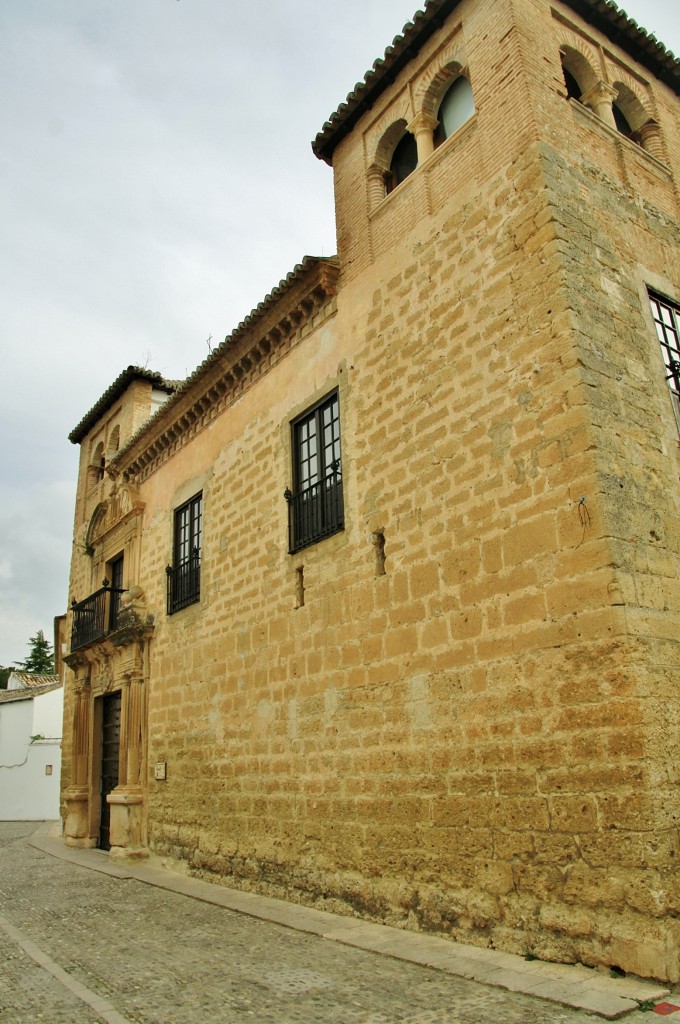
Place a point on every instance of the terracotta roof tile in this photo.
(8, 696)
(113, 393)
(604, 14)
(308, 265)
(33, 679)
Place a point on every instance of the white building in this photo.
(30, 752)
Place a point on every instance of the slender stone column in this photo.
(77, 825)
(650, 138)
(423, 126)
(600, 98)
(135, 721)
(127, 800)
(376, 185)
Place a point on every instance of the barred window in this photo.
(667, 320)
(315, 505)
(184, 576)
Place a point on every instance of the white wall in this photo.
(27, 792)
(16, 726)
(48, 714)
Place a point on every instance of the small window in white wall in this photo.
(455, 109)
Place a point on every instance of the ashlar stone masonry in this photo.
(435, 684)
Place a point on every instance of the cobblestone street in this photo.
(82, 947)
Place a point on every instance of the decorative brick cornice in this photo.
(287, 315)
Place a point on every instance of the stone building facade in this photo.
(392, 603)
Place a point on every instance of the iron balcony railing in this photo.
(184, 582)
(96, 616)
(315, 512)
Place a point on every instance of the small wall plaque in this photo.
(161, 770)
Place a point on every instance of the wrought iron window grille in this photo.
(316, 511)
(184, 582)
(666, 316)
(315, 501)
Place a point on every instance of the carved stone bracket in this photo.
(134, 622)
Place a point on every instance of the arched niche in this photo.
(114, 440)
(403, 162)
(96, 525)
(629, 112)
(577, 72)
(395, 158)
(95, 471)
(456, 108)
(441, 80)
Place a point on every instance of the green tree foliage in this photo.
(40, 658)
(4, 677)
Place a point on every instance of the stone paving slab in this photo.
(566, 985)
(80, 993)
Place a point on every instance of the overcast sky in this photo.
(157, 182)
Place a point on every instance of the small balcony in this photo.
(96, 616)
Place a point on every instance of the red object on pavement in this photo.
(665, 1008)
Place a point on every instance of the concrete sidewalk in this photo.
(575, 986)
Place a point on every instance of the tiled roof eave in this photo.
(310, 284)
(383, 72)
(33, 679)
(636, 41)
(113, 393)
(10, 696)
(603, 14)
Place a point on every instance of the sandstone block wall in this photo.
(476, 737)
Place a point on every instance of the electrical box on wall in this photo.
(161, 770)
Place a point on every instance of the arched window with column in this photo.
(95, 472)
(457, 106)
(633, 121)
(404, 161)
(577, 74)
(114, 440)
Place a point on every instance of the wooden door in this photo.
(110, 758)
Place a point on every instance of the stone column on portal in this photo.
(127, 800)
(77, 825)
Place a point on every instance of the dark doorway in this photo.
(110, 755)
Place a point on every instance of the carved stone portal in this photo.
(113, 663)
